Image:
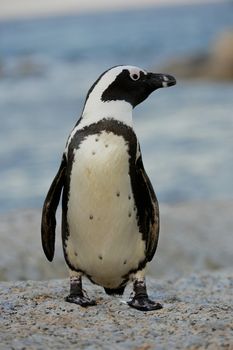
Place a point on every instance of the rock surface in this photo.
(194, 236)
(197, 314)
(197, 311)
(215, 64)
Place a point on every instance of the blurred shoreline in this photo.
(214, 64)
(43, 9)
(47, 67)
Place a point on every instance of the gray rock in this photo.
(21, 254)
(214, 64)
(197, 314)
(194, 237)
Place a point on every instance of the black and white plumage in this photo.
(110, 214)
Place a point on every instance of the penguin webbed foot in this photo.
(140, 300)
(81, 300)
(77, 295)
(144, 304)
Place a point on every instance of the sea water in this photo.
(48, 64)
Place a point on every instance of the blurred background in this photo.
(50, 54)
(47, 64)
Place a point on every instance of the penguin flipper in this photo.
(48, 221)
(149, 210)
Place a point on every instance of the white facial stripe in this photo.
(135, 73)
(165, 78)
(107, 79)
(165, 84)
(96, 109)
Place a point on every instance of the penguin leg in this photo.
(76, 295)
(140, 299)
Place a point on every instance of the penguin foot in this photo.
(81, 300)
(77, 294)
(140, 299)
(144, 304)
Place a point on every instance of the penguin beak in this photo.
(157, 81)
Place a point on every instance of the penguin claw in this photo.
(144, 304)
(80, 300)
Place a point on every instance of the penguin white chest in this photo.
(104, 240)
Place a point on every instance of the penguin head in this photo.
(134, 85)
(118, 90)
(130, 84)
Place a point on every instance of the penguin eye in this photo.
(135, 76)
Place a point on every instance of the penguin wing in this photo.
(48, 222)
(148, 212)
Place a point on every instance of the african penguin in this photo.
(110, 214)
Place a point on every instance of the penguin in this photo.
(110, 213)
